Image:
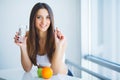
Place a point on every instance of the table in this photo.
(20, 74)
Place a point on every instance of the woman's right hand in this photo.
(18, 42)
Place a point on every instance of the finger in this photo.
(16, 41)
(55, 33)
(57, 29)
(16, 36)
(60, 35)
(58, 32)
(17, 33)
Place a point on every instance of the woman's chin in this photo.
(43, 30)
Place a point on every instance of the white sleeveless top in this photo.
(42, 60)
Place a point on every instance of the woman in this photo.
(43, 45)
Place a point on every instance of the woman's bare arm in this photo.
(25, 60)
(58, 65)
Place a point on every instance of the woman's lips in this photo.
(43, 26)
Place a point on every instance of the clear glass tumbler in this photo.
(22, 32)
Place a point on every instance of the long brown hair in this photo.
(33, 44)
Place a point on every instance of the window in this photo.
(101, 36)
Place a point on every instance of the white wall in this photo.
(16, 12)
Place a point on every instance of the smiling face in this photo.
(42, 20)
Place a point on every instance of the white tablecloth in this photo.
(20, 74)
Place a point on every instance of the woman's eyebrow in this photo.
(38, 15)
(41, 15)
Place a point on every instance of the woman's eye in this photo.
(48, 17)
(39, 17)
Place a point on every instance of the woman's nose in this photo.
(43, 21)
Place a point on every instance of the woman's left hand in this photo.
(60, 41)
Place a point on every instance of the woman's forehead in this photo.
(42, 12)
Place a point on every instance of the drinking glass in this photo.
(22, 32)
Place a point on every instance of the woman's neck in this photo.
(42, 42)
(43, 35)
